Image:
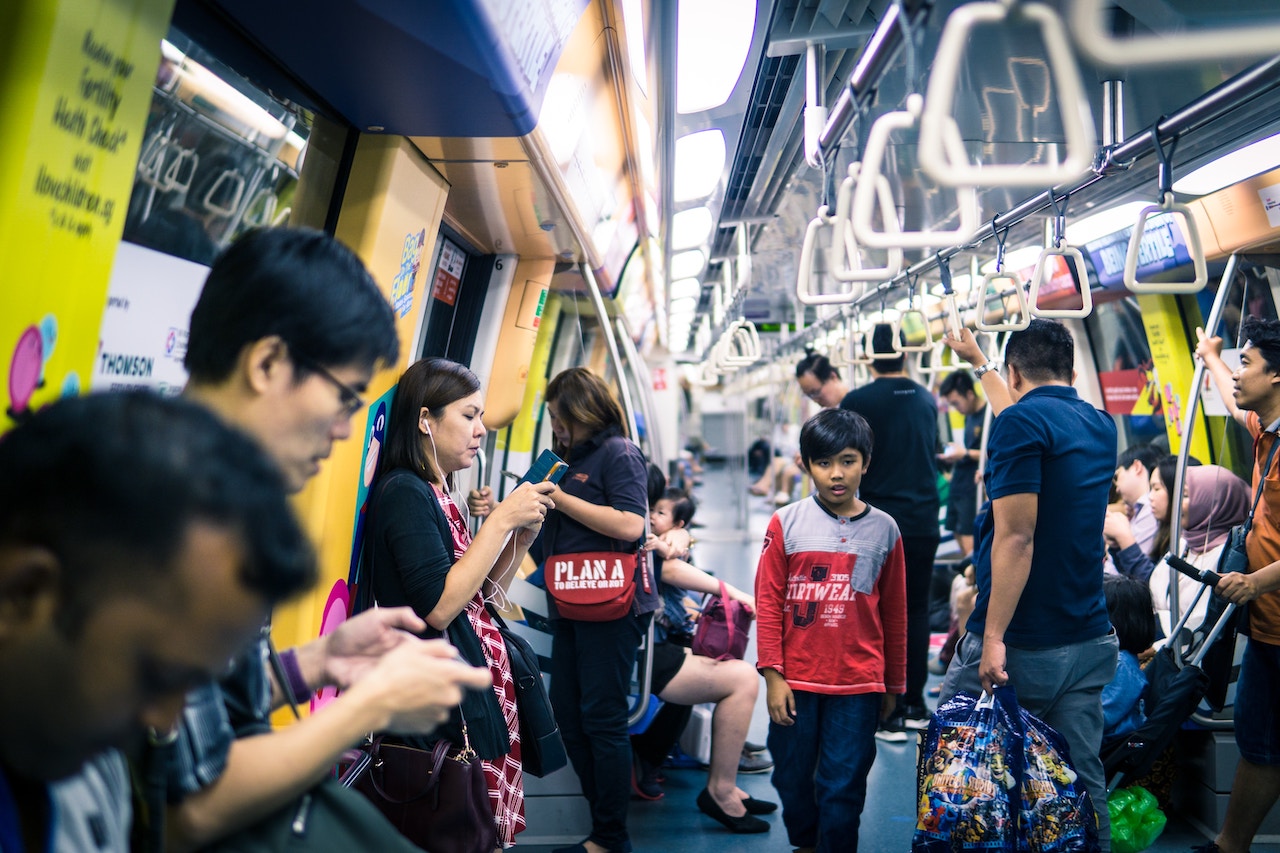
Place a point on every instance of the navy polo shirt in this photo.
(1055, 445)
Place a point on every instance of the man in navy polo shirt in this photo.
(1040, 622)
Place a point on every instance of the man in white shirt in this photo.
(1133, 481)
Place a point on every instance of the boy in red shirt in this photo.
(831, 635)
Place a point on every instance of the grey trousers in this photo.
(1062, 686)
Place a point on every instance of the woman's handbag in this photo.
(541, 748)
(593, 586)
(438, 799)
(723, 628)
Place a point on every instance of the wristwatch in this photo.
(986, 368)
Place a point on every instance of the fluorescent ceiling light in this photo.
(1016, 260)
(688, 264)
(1104, 222)
(563, 118)
(712, 42)
(1239, 165)
(690, 228)
(633, 20)
(699, 164)
(683, 305)
(685, 287)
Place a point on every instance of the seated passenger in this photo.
(142, 543)
(683, 678)
(1129, 607)
(1128, 556)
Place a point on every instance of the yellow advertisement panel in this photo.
(1172, 369)
(75, 86)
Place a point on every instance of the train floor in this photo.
(729, 528)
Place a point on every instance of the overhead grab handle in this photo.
(1000, 283)
(1077, 118)
(1060, 248)
(912, 311)
(804, 280)
(935, 364)
(1167, 205)
(233, 191)
(1094, 37)
(845, 259)
(868, 190)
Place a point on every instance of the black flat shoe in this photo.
(743, 824)
(754, 806)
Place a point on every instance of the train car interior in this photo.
(686, 197)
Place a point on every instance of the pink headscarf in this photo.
(1219, 501)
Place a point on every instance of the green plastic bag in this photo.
(1136, 820)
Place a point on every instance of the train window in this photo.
(219, 156)
(1126, 372)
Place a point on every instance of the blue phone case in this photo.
(546, 468)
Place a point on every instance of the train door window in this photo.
(219, 156)
(1130, 386)
(460, 278)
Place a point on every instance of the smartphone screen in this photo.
(546, 468)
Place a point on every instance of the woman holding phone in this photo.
(420, 553)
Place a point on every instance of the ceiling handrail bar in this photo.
(991, 282)
(1169, 207)
(844, 259)
(1077, 117)
(1093, 37)
(867, 192)
(804, 278)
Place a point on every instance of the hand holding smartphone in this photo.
(547, 468)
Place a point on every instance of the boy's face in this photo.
(837, 479)
(661, 518)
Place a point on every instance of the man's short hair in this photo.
(1131, 611)
(302, 285)
(1144, 453)
(830, 431)
(960, 382)
(1042, 352)
(1264, 336)
(111, 483)
(882, 341)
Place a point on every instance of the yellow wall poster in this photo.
(75, 86)
(1172, 369)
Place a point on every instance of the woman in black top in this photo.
(420, 553)
(600, 505)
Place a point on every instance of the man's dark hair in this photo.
(830, 431)
(1144, 453)
(960, 382)
(1131, 611)
(1042, 352)
(817, 364)
(302, 285)
(432, 382)
(657, 483)
(882, 341)
(111, 484)
(1264, 336)
(683, 505)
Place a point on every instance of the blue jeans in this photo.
(820, 768)
(1062, 686)
(591, 665)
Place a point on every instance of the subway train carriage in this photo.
(734, 215)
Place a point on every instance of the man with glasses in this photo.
(284, 340)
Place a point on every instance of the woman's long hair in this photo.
(434, 383)
(584, 400)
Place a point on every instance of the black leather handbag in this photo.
(541, 748)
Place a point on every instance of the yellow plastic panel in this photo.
(520, 323)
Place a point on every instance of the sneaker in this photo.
(891, 730)
(936, 666)
(760, 762)
(644, 779)
(782, 499)
(915, 717)
(754, 748)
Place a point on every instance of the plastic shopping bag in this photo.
(1136, 819)
(1056, 814)
(967, 775)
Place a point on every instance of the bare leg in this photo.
(1253, 792)
(733, 686)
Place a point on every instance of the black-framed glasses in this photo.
(351, 400)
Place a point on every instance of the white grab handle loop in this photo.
(1093, 36)
(1073, 255)
(1001, 283)
(935, 365)
(910, 311)
(869, 191)
(1194, 248)
(1077, 117)
(845, 261)
(236, 180)
(804, 279)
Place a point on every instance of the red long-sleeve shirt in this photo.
(831, 601)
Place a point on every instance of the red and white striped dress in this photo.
(505, 776)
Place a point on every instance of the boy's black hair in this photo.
(882, 341)
(1264, 336)
(1131, 611)
(1042, 352)
(1144, 453)
(832, 430)
(296, 283)
(112, 482)
(683, 506)
(961, 382)
(817, 364)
